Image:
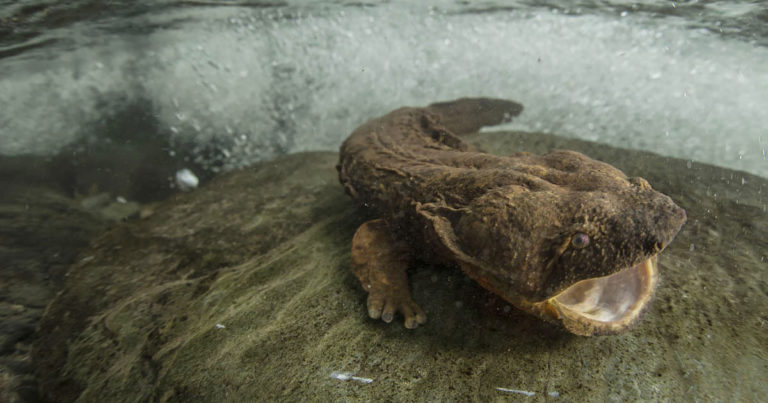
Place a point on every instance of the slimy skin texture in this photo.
(526, 227)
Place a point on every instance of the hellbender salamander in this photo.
(559, 235)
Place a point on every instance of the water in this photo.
(116, 100)
(253, 80)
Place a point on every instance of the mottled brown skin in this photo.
(510, 222)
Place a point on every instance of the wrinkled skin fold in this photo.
(560, 235)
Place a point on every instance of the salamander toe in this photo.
(375, 306)
(414, 315)
(385, 307)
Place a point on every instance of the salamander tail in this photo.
(468, 115)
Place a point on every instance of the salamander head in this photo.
(582, 253)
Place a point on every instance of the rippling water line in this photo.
(266, 81)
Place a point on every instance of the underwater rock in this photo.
(41, 232)
(242, 289)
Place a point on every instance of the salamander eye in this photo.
(580, 240)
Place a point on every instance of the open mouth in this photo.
(605, 305)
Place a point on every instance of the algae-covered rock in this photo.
(242, 290)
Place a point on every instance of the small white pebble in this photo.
(220, 326)
(121, 199)
(554, 394)
(186, 180)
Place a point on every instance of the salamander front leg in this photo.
(380, 263)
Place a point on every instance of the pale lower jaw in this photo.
(604, 305)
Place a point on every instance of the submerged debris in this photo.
(347, 376)
(520, 392)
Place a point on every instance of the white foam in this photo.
(263, 84)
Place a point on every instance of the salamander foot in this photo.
(380, 262)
